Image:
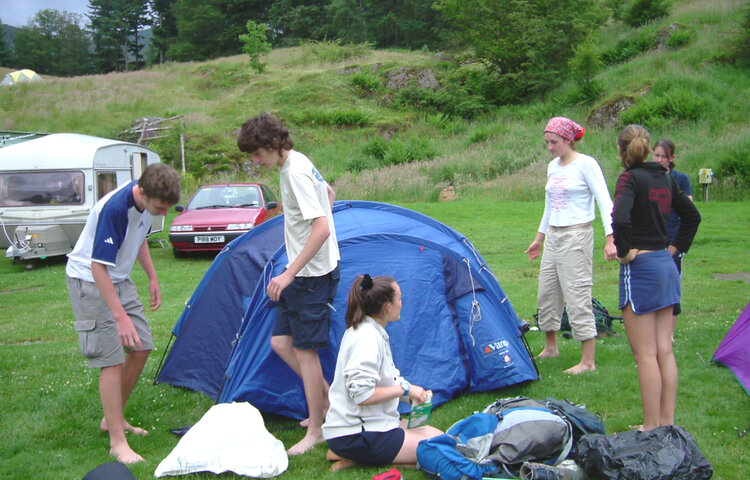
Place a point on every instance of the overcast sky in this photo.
(19, 13)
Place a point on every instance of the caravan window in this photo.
(105, 183)
(21, 189)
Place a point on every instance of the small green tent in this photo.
(21, 76)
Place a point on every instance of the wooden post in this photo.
(182, 151)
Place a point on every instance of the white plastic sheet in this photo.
(229, 437)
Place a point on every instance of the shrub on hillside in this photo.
(640, 12)
(660, 109)
(256, 44)
(584, 66)
(395, 151)
(453, 100)
(335, 117)
(629, 47)
(734, 163)
(366, 84)
(332, 51)
(742, 47)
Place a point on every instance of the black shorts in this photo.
(304, 310)
(369, 448)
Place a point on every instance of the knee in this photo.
(279, 344)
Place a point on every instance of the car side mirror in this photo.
(271, 205)
(179, 208)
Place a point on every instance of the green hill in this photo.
(378, 142)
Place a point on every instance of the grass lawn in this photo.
(51, 409)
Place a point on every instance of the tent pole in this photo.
(163, 356)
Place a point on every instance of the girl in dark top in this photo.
(664, 154)
(649, 282)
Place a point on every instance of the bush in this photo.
(659, 109)
(629, 47)
(640, 12)
(680, 38)
(335, 117)
(331, 51)
(396, 151)
(452, 100)
(584, 66)
(366, 84)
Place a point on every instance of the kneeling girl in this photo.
(363, 424)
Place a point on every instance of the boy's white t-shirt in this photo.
(571, 191)
(304, 194)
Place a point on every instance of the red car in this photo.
(217, 214)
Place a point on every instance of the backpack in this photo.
(496, 442)
(602, 319)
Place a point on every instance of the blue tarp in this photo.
(458, 329)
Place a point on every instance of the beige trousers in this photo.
(566, 279)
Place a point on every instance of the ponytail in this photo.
(633, 143)
(367, 297)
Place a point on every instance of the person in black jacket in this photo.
(649, 283)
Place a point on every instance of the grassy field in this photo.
(51, 408)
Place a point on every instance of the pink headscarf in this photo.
(566, 128)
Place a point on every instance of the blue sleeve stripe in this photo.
(111, 228)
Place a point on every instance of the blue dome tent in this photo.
(458, 330)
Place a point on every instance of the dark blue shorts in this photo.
(304, 310)
(650, 282)
(369, 448)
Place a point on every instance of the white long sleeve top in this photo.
(364, 362)
(570, 194)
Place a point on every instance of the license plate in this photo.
(211, 239)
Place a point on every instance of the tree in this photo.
(256, 44)
(295, 20)
(389, 23)
(527, 43)
(164, 28)
(5, 52)
(198, 27)
(53, 43)
(115, 25)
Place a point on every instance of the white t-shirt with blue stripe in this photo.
(113, 235)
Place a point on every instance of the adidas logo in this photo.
(110, 241)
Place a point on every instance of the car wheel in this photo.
(178, 254)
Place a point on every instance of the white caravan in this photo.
(49, 183)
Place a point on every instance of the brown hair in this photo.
(668, 146)
(161, 181)
(634, 143)
(264, 131)
(367, 297)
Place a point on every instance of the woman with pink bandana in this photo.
(566, 275)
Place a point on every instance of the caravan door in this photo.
(139, 162)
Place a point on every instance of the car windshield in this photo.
(226, 197)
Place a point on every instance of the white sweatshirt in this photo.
(570, 194)
(364, 362)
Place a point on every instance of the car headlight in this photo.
(181, 228)
(240, 226)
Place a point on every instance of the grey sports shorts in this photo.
(97, 328)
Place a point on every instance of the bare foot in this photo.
(580, 368)
(304, 423)
(549, 354)
(342, 464)
(304, 445)
(125, 454)
(128, 428)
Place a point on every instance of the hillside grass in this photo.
(338, 117)
(51, 408)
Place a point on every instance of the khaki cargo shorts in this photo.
(97, 328)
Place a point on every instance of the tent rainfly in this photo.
(21, 76)
(734, 352)
(458, 332)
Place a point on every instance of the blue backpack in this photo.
(496, 442)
